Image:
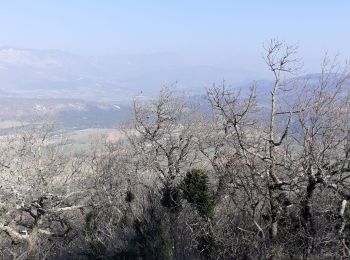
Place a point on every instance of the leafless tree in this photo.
(273, 155)
(39, 189)
(163, 135)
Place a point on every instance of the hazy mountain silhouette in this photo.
(53, 73)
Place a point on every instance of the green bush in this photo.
(195, 189)
(149, 241)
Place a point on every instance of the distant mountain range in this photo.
(83, 92)
(57, 74)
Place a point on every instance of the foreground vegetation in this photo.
(252, 179)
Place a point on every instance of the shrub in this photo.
(195, 188)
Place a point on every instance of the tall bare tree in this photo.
(163, 135)
(40, 187)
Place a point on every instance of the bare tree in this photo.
(40, 187)
(163, 135)
(273, 156)
(323, 137)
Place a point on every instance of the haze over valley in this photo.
(174, 130)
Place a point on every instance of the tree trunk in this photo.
(33, 241)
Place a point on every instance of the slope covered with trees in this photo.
(247, 181)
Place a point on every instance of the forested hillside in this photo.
(251, 178)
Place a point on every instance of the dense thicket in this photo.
(258, 178)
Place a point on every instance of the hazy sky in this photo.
(203, 32)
